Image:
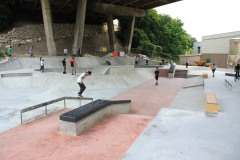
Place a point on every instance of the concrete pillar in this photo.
(130, 34)
(79, 25)
(111, 33)
(48, 26)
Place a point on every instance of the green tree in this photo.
(159, 33)
(7, 13)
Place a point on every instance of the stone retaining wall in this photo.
(35, 33)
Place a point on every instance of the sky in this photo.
(205, 17)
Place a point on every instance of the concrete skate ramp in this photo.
(116, 60)
(193, 82)
(54, 64)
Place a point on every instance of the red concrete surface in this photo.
(148, 98)
(107, 140)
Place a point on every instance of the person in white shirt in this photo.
(42, 65)
(65, 52)
(80, 80)
(213, 69)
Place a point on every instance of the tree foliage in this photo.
(158, 33)
(7, 13)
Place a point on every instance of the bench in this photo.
(211, 103)
(78, 120)
(228, 84)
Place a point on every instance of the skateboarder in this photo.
(9, 51)
(64, 65)
(187, 62)
(80, 82)
(72, 61)
(156, 75)
(42, 65)
(30, 51)
(237, 68)
(213, 69)
(65, 52)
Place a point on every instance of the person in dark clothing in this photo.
(107, 63)
(237, 72)
(187, 63)
(79, 53)
(156, 75)
(64, 65)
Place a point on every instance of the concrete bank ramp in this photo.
(55, 62)
(194, 82)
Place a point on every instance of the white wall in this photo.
(218, 43)
(195, 47)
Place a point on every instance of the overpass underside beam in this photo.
(48, 26)
(79, 25)
(108, 9)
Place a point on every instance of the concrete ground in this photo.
(184, 131)
(167, 121)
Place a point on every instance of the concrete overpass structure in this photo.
(86, 11)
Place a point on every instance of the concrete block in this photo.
(212, 108)
(171, 75)
(205, 75)
(121, 108)
(211, 103)
(74, 129)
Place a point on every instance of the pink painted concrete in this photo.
(107, 140)
(148, 98)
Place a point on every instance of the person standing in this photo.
(40, 62)
(213, 69)
(42, 65)
(72, 62)
(187, 62)
(65, 52)
(136, 59)
(79, 52)
(30, 51)
(163, 61)
(9, 51)
(237, 72)
(147, 60)
(156, 75)
(64, 65)
(80, 80)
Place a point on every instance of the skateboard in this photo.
(236, 78)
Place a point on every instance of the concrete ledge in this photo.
(230, 74)
(193, 82)
(204, 75)
(211, 103)
(15, 74)
(76, 128)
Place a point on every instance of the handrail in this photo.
(51, 102)
(228, 84)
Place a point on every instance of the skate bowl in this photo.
(22, 85)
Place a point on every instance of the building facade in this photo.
(217, 47)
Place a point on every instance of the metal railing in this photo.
(228, 84)
(51, 102)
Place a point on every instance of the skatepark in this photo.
(168, 121)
